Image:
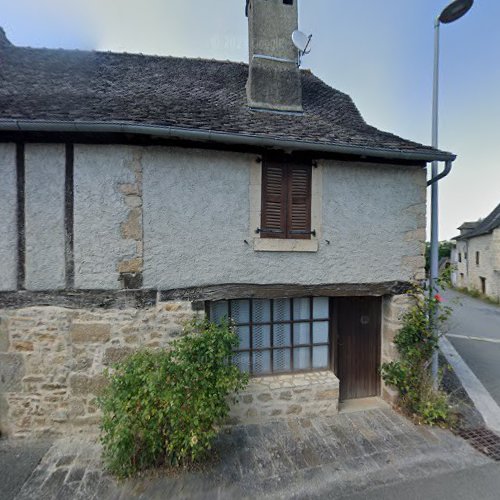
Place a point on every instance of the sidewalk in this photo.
(320, 457)
(18, 459)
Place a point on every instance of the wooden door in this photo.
(358, 336)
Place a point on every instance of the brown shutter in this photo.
(274, 200)
(299, 202)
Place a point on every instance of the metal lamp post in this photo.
(451, 13)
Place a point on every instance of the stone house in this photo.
(140, 191)
(476, 255)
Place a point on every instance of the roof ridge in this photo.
(4, 41)
(120, 54)
(484, 226)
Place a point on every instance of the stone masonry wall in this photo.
(281, 396)
(52, 361)
(130, 269)
(393, 308)
(486, 246)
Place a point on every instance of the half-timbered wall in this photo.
(169, 218)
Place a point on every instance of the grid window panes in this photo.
(278, 335)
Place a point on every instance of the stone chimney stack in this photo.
(274, 76)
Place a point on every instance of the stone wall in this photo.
(281, 396)
(469, 273)
(52, 360)
(393, 308)
(486, 246)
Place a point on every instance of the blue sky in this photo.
(378, 51)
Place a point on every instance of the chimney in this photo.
(274, 76)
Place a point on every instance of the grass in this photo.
(476, 294)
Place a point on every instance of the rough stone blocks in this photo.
(12, 370)
(282, 396)
(53, 370)
(90, 332)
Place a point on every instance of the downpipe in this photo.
(434, 253)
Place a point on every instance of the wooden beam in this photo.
(240, 291)
(79, 299)
(121, 299)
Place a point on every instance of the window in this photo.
(459, 257)
(483, 285)
(286, 200)
(279, 335)
(477, 258)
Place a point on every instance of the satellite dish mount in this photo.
(303, 44)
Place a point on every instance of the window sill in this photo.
(279, 245)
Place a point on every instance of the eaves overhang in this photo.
(217, 137)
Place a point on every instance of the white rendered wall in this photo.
(196, 221)
(99, 211)
(8, 219)
(44, 216)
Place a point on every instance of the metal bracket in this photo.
(268, 230)
(312, 233)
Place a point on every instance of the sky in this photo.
(378, 51)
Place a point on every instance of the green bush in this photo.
(164, 406)
(416, 343)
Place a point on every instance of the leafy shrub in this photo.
(164, 406)
(416, 343)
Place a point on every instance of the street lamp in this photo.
(451, 13)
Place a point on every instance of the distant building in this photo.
(476, 255)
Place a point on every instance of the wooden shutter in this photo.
(274, 200)
(299, 202)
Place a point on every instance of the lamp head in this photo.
(455, 11)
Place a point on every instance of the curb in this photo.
(484, 403)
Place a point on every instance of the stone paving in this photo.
(295, 458)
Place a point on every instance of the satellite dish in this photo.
(301, 41)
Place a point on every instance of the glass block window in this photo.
(279, 335)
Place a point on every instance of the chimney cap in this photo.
(4, 41)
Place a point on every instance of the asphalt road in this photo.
(475, 318)
(478, 483)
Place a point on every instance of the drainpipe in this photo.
(434, 253)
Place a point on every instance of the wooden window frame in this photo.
(292, 346)
(287, 201)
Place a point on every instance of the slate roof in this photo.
(467, 226)
(485, 226)
(69, 86)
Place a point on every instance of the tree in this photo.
(444, 251)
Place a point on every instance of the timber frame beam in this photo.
(121, 299)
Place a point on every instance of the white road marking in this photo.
(467, 337)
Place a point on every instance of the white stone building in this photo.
(476, 255)
(138, 191)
